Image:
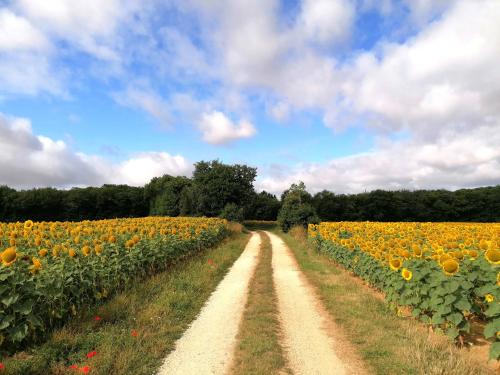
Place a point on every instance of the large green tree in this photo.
(216, 184)
(296, 208)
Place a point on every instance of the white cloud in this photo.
(144, 166)
(454, 161)
(218, 129)
(17, 33)
(146, 100)
(327, 21)
(90, 25)
(28, 160)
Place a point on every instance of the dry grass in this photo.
(235, 227)
(258, 350)
(388, 343)
(137, 328)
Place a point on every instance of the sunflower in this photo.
(86, 250)
(28, 224)
(37, 265)
(489, 298)
(450, 267)
(42, 252)
(395, 264)
(407, 274)
(9, 256)
(492, 256)
(473, 254)
(72, 253)
(498, 278)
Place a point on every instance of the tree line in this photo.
(217, 189)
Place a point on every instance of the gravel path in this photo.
(207, 346)
(310, 349)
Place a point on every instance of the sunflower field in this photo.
(51, 270)
(446, 273)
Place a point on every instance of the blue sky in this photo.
(347, 95)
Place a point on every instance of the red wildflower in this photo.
(91, 354)
(2, 366)
(97, 318)
(210, 262)
(134, 333)
(85, 369)
(73, 367)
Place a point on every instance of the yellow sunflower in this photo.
(407, 274)
(395, 264)
(9, 256)
(492, 256)
(450, 267)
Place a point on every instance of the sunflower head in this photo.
(28, 224)
(492, 256)
(395, 264)
(407, 274)
(42, 252)
(450, 267)
(489, 298)
(9, 256)
(86, 250)
(37, 265)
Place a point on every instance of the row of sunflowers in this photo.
(51, 270)
(446, 273)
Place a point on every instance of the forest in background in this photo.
(218, 189)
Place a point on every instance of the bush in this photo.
(232, 212)
(296, 208)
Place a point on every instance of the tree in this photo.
(164, 194)
(296, 208)
(262, 206)
(216, 184)
(232, 213)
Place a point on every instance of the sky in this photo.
(344, 95)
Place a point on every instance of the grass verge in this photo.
(258, 350)
(389, 344)
(134, 331)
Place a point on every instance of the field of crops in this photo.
(51, 270)
(447, 273)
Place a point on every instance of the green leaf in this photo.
(4, 288)
(463, 304)
(9, 300)
(449, 299)
(6, 320)
(18, 333)
(492, 328)
(495, 350)
(452, 333)
(493, 310)
(23, 307)
(453, 286)
(455, 318)
(437, 319)
(34, 320)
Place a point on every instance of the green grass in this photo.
(387, 343)
(258, 350)
(137, 328)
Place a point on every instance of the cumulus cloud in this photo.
(327, 21)
(28, 160)
(17, 33)
(446, 76)
(218, 129)
(452, 162)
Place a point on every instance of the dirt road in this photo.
(207, 346)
